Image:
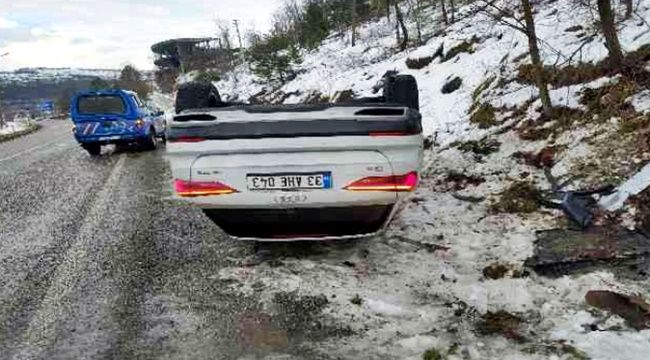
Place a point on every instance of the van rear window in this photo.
(101, 104)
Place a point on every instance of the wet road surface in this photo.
(96, 263)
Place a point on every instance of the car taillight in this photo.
(201, 188)
(399, 183)
(187, 139)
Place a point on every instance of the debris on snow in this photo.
(633, 186)
(499, 270)
(634, 309)
(501, 323)
(561, 251)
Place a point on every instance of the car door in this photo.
(147, 114)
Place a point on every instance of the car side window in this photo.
(137, 100)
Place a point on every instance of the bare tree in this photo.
(400, 21)
(629, 8)
(445, 18)
(415, 12)
(453, 11)
(223, 33)
(508, 18)
(608, 26)
(353, 16)
(388, 9)
(535, 57)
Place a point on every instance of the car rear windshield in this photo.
(101, 104)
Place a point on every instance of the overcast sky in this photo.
(111, 33)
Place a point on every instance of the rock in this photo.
(634, 309)
(452, 85)
(419, 63)
(574, 28)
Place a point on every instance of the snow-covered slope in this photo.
(499, 50)
(29, 75)
(421, 285)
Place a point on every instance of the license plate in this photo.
(289, 181)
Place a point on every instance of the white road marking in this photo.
(75, 265)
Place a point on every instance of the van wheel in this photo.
(402, 90)
(197, 95)
(93, 149)
(152, 141)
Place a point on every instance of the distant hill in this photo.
(38, 83)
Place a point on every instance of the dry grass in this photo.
(521, 197)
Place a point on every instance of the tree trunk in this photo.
(607, 22)
(354, 22)
(453, 11)
(388, 9)
(400, 21)
(418, 20)
(445, 19)
(629, 8)
(538, 66)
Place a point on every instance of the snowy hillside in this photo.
(426, 284)
(29, 75)
(497, 51)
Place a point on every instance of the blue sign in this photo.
(46, 105)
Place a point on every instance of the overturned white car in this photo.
(297, 172)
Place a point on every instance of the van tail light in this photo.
(186, 139)
(186, 188)
(399, 183)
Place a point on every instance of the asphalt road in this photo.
(96, 263)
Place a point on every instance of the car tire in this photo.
(93, 149)
(402, 90)
(152, 140)
(196, 95)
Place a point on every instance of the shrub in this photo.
(480, 147)
(273, 58)
(520, 197)
(207, 76)
(484, 116)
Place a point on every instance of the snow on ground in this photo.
(398, 295)
(12, 127)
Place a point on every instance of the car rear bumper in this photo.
(296, 224)
(111, 139)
